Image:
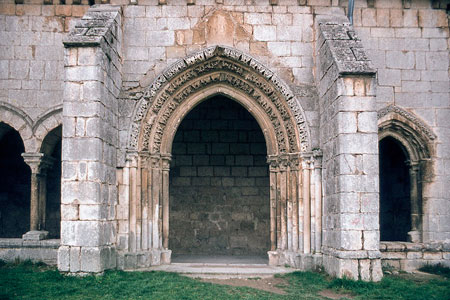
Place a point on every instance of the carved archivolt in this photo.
(404, 126)
(231, 69)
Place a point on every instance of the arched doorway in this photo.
(51, 147)
(144, 187)
(219, 183)
(406, 147)
(395, 186)
(14, 185)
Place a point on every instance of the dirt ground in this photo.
(266, 284)
(273, 285)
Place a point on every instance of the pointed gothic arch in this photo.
(416, 140)
(294, 220)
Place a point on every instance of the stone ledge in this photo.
(20, 243)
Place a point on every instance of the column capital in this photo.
(165, 161)
(273, 162)
(413, 165)
(38, 162)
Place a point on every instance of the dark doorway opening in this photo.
(219, 183)
(15, 176)
(395, 201)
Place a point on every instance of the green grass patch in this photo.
(438, 269)
(30, 281)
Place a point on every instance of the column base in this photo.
(356, 268)
(301, 261)
(143, 259)
(35, 235)
(414, 236)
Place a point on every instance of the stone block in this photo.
(18, 69)
(367, 122)
(69, 212)
(265, 33)
(160, 38)
(432, 255)
(91, 260)
(81, 192)
(350, 240)
(410, 18)
(437, 60)
(92, 212)
(279, 48)
(400, 60)
(75, 259)
(221, 171)
(347, 122)
(257, 18)
(389, 77)
(369, 17)
(377, 272)
(371, 240)
(64, 259)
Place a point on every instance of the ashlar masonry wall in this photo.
(409, 47)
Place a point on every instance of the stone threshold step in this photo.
(222, 270)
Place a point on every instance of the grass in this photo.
(32, 281)
(438, 269)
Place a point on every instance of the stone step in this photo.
(222, 271)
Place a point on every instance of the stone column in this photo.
(414, 235)
(318, 199)
(273, 168)
(39, 164)
(306, 191)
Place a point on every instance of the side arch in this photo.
(418, 142)
(408, 129)
(20, 121)
(46, 123)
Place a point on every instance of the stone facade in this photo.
(299, 179)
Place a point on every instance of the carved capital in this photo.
(39, 163)
(165, 161)
(317, 154)
(132, 159)
(284, 162)
(307, 160)
(155, 161)
(273, 162)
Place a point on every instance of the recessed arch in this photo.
(416, 140)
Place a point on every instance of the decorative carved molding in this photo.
(424, 129)
(227, 66)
